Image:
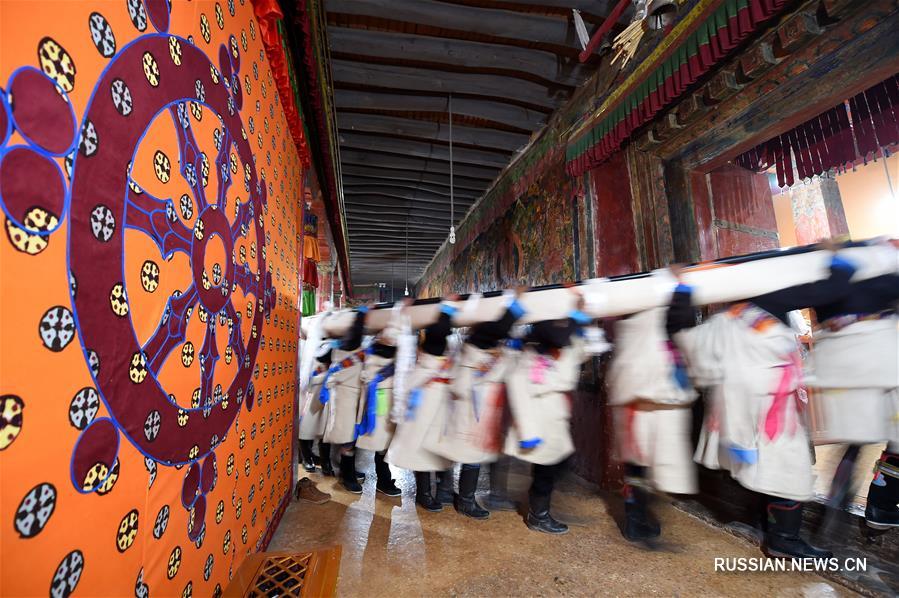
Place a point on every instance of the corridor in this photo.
(652, 241)
(391, 549)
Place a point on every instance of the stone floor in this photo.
(390, 549)
(828, 456)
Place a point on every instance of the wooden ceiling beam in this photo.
(440, 117)
(538, 66)
(483, 21)
(500, 152)
(463, 136)
(423, 149)
(457, 95)
(362, 174)
(355, 185)
(485, 109)
(408, 78)
(390, 161)
(592, 11)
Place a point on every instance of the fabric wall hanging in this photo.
(847, 133)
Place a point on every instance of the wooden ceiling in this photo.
(508, 64)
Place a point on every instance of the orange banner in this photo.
(148, 292)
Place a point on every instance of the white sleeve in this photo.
(703, 350)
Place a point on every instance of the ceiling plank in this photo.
(504, 153)
(423, 149)
(356, 185)
(404, 78)
(358, 174)
(504, 24)
(508, 114)
(393, 161)
(378, 203)
(393, 126)
(534, 65)
(593, 11)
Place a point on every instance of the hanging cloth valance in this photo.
(852, 131)
(725, 27)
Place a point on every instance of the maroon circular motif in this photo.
(215, 224)
(20, 167)
(196, 519)
(209, 474)
(41, 111)
(191, 488)
(5, 121)
(97, 262)
(96, 449)
(225, 63)
(158, 10)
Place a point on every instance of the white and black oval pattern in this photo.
(93, 361)
(101, 34)
(89, 141)
(150, 464)
(83, 408)
(102, 223)
(35, 510)
(67, 575)
(207, 569)
(151, 426)
(57, 328)
(121, 97)
(141, 589)
(162, 522)
(138, 14)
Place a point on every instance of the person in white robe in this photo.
(423, 410)
(340, 392)
(855, 377)
(375, 429)
(472, 431)
(545, 373)
(651, 392)
(313, 413)
(756, 426)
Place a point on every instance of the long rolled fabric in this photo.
(715, 282)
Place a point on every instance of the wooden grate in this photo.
(281, 576)
(284, 574)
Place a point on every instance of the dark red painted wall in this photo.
(742, 211)
(616, 245)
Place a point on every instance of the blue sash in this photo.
(370, 417)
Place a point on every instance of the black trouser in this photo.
(545, 477)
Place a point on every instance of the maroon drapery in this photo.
(848, 132)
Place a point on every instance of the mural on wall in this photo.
(531, 243)
(150, 190)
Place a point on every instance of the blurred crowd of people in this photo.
(427, 400)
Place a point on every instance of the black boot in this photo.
(882, 511)
(540, 520)
(465, 502)
(498, 499)
(348, 473)
(639, 524)
(782, 536)
(445, 494)
(423, 492)
(324, 451)
(385, 483)
(306, 455)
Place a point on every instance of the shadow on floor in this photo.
(392, 549)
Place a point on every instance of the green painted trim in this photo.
(718, 20)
